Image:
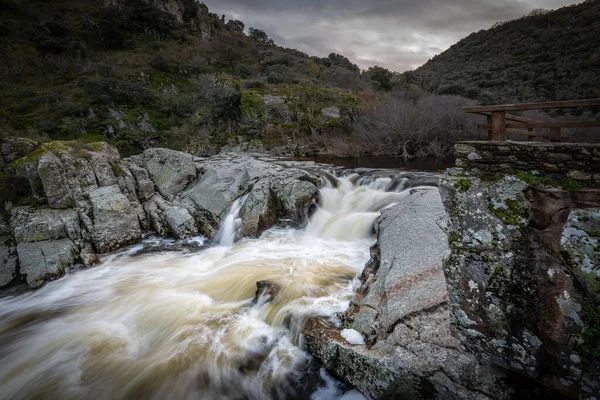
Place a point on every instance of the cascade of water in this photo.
(231, 224)
(184, 325)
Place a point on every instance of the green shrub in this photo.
(113, 90)
(159, 63)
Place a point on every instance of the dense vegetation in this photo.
(545, 56)
(136, 75)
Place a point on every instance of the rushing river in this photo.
(166, 320)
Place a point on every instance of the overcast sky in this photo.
(397, 34)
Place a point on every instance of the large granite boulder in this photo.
(45, 261)
(523, 277)
(272, 192)
(171, 171)
(395, 340)
(65, 172)
(115, 222)
(101, 203)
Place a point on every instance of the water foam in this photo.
(169, 324)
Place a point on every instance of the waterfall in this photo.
(231, 224)
(173, 324)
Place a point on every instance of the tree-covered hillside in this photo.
(141, 73)
(169, 73)
(541, 57)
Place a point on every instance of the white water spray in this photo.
(182, 326)
(230, 224)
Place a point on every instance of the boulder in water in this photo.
(266, 290)
(274, 192)
(401, 311)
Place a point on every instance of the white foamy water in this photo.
(231, 224)
(174, 325)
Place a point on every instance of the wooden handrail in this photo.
(509, 117)
(525, 133)
(558, 124)
(534, 106)
(497, 116)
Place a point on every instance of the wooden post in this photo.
(489, 121)
(530, 138)
(499, 126)
(555, 134)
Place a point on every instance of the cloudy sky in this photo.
(397, 34)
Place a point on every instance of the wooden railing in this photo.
(498, 128)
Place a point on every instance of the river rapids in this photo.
(181, 320)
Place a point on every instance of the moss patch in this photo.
(567, 184)
(463, 185)
(513, 214)
(590, 348)
(499, 281)
(116, 169)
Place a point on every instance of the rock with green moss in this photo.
(65, 172)
(580, 244)
(514, 299)
(401, 313)
(115, 222)
(13, 148)
(39, 224)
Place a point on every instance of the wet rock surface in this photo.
(89, 201)
(273, 192)
(115, 223)
(401, 312)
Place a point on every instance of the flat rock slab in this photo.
(35, 225)
(45, 261)
(410, 276)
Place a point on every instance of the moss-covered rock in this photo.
(523, 274)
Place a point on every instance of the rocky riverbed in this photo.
(443, 306)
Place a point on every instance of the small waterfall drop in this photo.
(231, 224)
(180, 325)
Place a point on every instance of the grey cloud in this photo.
(397, 34)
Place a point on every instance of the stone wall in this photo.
(523, 273)
(578, 161)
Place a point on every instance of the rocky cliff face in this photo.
(85, 200)
(523, 273)
(193, 13)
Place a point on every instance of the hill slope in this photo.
(142, 73)
(552, 56)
